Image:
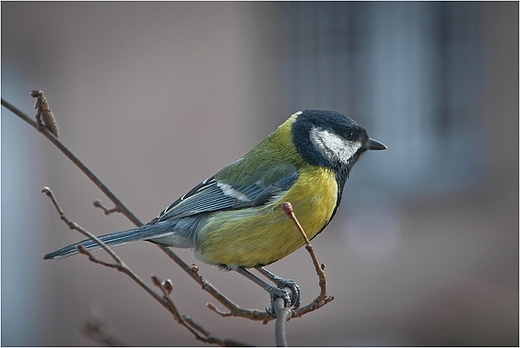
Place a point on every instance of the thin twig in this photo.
(83, 251)
(287, 208)
(235, 310)
(119, 265)
(74, 226)
(227, 341)
(322, 298)
(119, 205)
(198, 331)
(97, 203)
(164, 300)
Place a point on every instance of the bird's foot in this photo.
(290, 300)
(291, 284)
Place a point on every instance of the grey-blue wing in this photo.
(212, 195)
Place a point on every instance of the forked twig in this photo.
(197, 330)
(165, 287)
(74, 226)
(322, 298)
(97, 203)
(234, 309)
(283, 314)
(43, 130)
(50, 131)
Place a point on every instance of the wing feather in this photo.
(212, 195)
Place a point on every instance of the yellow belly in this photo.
(259, 236)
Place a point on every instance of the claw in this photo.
(278, 293)
(295, 289)
(285, 283)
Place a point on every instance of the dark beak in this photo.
(375, 145)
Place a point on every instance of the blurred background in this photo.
(155, 97)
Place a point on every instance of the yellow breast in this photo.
(259, 236)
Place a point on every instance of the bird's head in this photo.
(330, 139)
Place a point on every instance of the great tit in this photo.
(234, 218)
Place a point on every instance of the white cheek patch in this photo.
(231, 192)
(333, 146)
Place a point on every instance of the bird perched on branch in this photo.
(234, 218)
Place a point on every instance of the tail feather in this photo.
(117, 238)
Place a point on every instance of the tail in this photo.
(117, 238)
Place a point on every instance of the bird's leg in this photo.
(282, 283)
(272, 290)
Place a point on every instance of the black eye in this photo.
(349, 135)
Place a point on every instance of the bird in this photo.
(234, 218)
